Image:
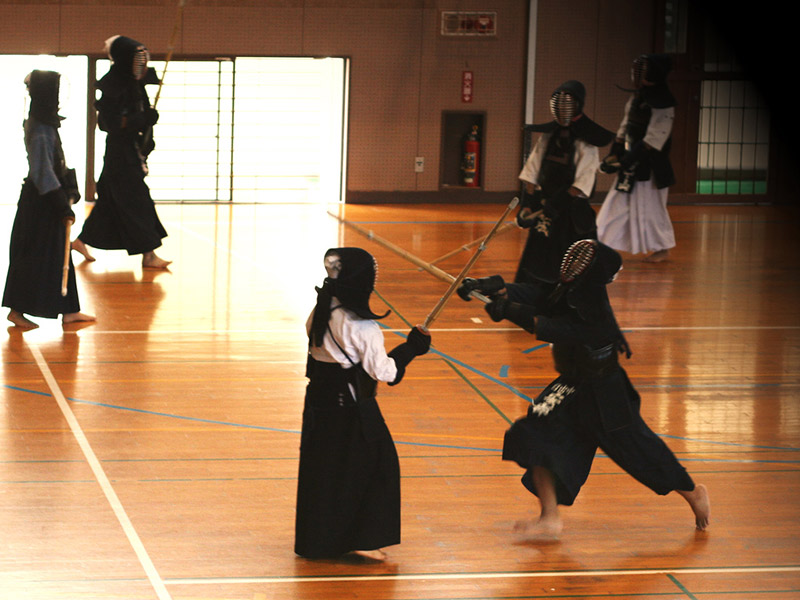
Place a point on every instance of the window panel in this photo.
(248, 130)
(733, 139)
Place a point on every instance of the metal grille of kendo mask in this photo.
(639, 71)
(577, 260)
(140, 58)
(333, 265)
(563, 107)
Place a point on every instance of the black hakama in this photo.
(124, 216)
(348, 490)
(566, 439)
(36, 259)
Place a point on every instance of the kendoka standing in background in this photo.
(559, 178)
(634, 215)
(124, 216)
(39, 237)
(348, 488)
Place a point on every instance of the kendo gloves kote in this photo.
(610, 163)
(59, 203)
(417, 344)
(520, 314)
(632, 157)
(529, 208)
(489, 286)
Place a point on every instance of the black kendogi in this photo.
(124, 216)
(591, 404)
(561, 218)
(348, 487)
(38, 237)
(638, 162)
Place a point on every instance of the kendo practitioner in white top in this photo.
(124, 216)
(634, 217)
(591, 404)
(348, 489)
(558, 179)
(38, 237)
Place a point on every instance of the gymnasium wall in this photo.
(403, 73)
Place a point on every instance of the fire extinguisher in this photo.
(472, 150)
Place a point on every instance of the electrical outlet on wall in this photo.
(419, 164)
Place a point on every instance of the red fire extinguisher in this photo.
(472, 150)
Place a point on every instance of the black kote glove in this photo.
(417, 344)
(496, 309)
(488, 286)
(58, 202)
(520, 314)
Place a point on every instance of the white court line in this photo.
(464, 576)
(95, 331)
(102, 479)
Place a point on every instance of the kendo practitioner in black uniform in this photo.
(591, 403)
(124, 216)
(559, 177)
(39, 237)
(348, 488)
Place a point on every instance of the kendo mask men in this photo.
(130, 56)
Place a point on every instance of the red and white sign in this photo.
(466, 86)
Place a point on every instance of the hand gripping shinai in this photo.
(457, 281)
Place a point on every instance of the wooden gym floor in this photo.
(154, 453)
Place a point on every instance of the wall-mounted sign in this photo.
(467, 82)
(462, 23)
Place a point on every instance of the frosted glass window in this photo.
(14, 106)
(248, 130)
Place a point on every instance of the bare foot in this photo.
(544, 528)
(656, 257)
(700, 503)
(77, 317)
(20, 320)
(152, 261)
(79, 246)
(377, 555)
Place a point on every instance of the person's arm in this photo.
(41, 146)
(367, 337)
(587, 161)
(417, 343)
(660, 127)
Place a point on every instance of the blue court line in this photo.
(423, 444)
(681, 587)
(8, 482)
(449, 358)
(27, 391)
(539, 347)
(503, 371)
(478, 372)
